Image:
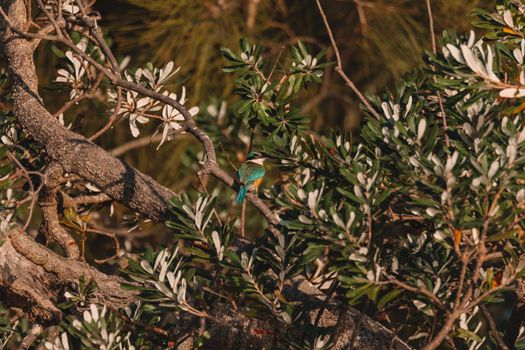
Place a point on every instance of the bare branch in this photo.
(493, 329)
(31, 336)
(339, 65)
(97, 33)
(112, 119)
(434, 50)
(431, 26)
(25, 34)
(418, 290)
(82, 97)
(49, 206)
(138, 143)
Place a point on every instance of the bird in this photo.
(250, 174)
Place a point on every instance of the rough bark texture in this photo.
(31, 276)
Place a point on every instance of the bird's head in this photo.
(256, 157)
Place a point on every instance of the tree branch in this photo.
(23, 262)
(339, 66)
(493, 329)
(49, 206)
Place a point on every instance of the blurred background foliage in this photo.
(380, 40)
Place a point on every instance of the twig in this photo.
(115, 240)
(362, 17)
(141, 142)
(434, 50)
(339, 65)
(23, 34)
(431, 26)
(34, 192)
(488, 293)
(51, 19)
(156, 331)
(417, 290)
(92, 24)
(112, 119)
(276, 63)
(493, 329)
(243, 218)
(205, 189)
(76, 100)
(443, 333)
(31, 336)
(227, 156)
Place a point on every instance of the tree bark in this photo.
(33, 279)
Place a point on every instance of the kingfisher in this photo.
(250, 174)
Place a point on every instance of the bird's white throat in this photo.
(259, 161)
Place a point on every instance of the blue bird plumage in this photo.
(241, 195)
(250, 175)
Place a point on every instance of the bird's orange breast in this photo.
(256, 184)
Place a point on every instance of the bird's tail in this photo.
(241, 194)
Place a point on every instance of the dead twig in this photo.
(339, 65)
(113, 237)
(493, 329)
(33, 192)
(31, 336)
(434, 50)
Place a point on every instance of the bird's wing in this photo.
(254, 173)
(240, 174)
(248, 173)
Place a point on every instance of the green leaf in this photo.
(388, 297)
(59, 53)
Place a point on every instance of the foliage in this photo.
(398, 217)
(265, 102)
(418, 222)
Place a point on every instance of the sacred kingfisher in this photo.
(250, 174)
